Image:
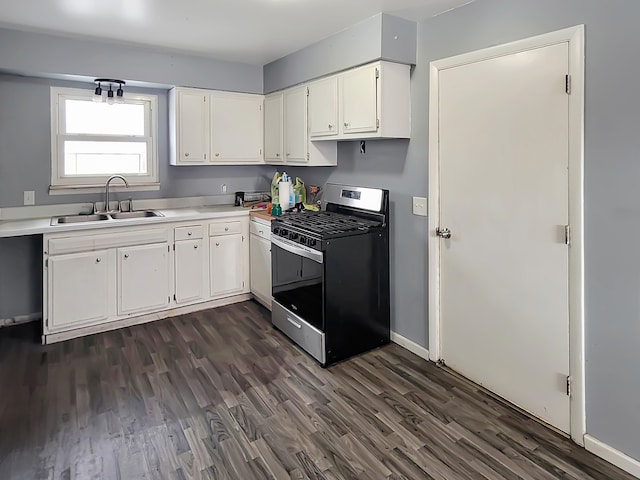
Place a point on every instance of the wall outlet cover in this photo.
(29, 197)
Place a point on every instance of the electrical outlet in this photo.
(420, 206)
(29, 197)
(224, 188)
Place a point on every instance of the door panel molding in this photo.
(574, 37)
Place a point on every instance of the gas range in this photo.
(312, 229)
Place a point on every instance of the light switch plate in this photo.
(420, 206)
(29, 197)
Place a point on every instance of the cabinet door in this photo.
(226, 265)
(193, 127)
(323, 107)
(190, 271)
(359, 95)
(236, 128)
(261, 267)
(143, 278)
(273, 122)
(80, 288)
(295, 125)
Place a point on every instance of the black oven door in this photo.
(297, 277)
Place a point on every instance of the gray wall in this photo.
(612, 196)
(381, 36)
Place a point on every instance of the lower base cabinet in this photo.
(260, 257)
(143, 278)
(190, 271)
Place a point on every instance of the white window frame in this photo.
(61, 184)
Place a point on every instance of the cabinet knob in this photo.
(288, 154)
(217, 244)
(189, 233)
(195, 246)
(226, 229)
(330, 126)
(186, 154)
(217, 154)
(260, 231)
(98, 260)
(126, 255)
(346, 124)
(277, 154)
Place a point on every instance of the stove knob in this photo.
(303, 240)
(284, 232)
(311, 242)
(293, 236)
(276, 231)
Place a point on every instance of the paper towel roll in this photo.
(284, 190)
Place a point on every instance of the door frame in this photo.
(574, 36)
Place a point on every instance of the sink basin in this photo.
(135, 214)
(78, 218)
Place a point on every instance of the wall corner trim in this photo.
(412, 346)
(612, 455)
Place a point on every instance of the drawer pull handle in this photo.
(217, 244)
(126, 255)
(295, 324)
(226, 229)
(195, 246)
(189, 233)
(186, 154)
(98, 260)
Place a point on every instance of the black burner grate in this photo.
(327, 223)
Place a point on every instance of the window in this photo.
(91, 141)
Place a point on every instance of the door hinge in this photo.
(377, 73)
(205, 156)
(260, 107)
(377, 123)
(204, 98)
(567, 234)
(307, 91)
(260, 152)
(169, 299)
(307, 155)
(174, 298)
(567, 84)
(568, 386)
(169, 247)
(46, 263)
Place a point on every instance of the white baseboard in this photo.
(612, 455)
(412, 346)
(18, 319)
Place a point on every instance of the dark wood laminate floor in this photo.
(221, 395)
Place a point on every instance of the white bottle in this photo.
(284, 192)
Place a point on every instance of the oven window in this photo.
(297, 285)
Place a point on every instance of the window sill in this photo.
(84, 189)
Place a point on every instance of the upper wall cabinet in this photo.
(373, 101)
(215, 128)
(273, 125)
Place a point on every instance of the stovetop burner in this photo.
(327, 223)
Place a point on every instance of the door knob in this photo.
(443, 232)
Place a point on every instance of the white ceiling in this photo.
(248, 31)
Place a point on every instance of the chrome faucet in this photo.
(106, 190)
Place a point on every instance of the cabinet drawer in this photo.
(225, 228)
(260, 229)
(189, 233)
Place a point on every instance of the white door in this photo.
(323, 107)
(79, 288)
(295, 124)
(359, 105)
(503, 126)
(193, 127)
(190, 271)
(143, 278)
(227, 266)
(273, 120)
(236, 127)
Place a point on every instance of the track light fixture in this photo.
(111, 83)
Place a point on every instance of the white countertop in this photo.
(38, 226)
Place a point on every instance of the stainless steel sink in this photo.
(79, 218)
(97, 217)
(135, 214)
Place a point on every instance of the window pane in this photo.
(105, 158)
(89, 117)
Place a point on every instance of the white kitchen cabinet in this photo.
(190, 271)
(189, 126)
(236, 128)
(226, 264)
(81, 288)
(273, 128)
(295, 125)
(143, 278)
(323, 107)
(359, 105)
(260, 259)
(208, 127)
(375, 102)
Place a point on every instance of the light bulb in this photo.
(110, 96)
(98, 94)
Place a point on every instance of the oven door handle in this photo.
(296, 249)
